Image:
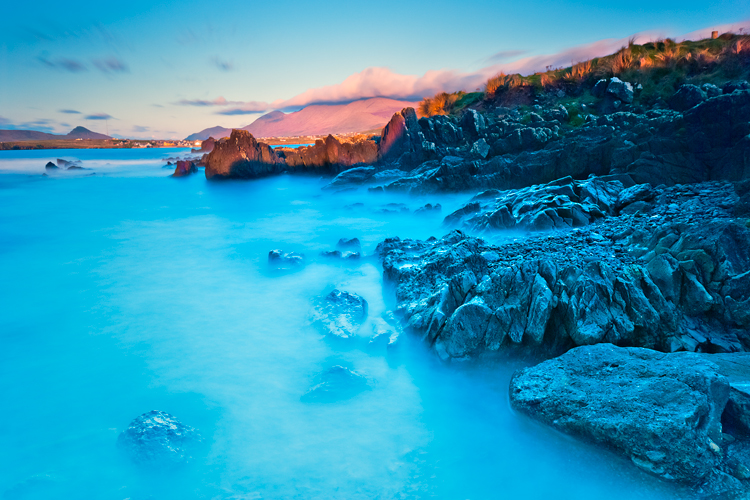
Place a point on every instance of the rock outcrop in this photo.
(157, 439)
(662, 411)
(241, 156)
(339, 314)
(669, 273)
(184, 168)
(331, 155)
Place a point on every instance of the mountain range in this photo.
(33, 135)
(318, 119)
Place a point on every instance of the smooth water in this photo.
(128, 290)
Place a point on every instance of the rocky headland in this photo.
(608, 234)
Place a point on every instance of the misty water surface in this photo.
(127, 291)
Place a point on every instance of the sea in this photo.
(125, 290)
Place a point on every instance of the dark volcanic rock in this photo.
(50, 166)
(241, 156)
(663, 411)
(157, 438)
(672, 276)
(335, 384)
(402, 135)
(184, 168)
(339, 314)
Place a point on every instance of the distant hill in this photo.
(33, 135)
(318, 119)
(215, 132)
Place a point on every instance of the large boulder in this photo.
(241, 156)
(332, 154)
(662, 411)
(686, 97)
(620, 90)
(339, 314)
(158, 439)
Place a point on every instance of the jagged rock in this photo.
(241, 156)
(401, 135)
(473, 123)
(281, 260)
(184, 168)
(353, 176)
(338, 383)
(158, 439)
(686, 97)
(206, 146)
(331, 154)
(711, 90)
(730, 87)
(480, 148)
(640, 192)
(339, 314)
(620, 90)
(661, 411)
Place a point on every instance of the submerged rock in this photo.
(184, 168)
(339, 314)
(157, 438)
(50, 166)
(281, 260)
(338, 383)
(349, 244)
(662, 411)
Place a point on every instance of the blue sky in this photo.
(160, 69)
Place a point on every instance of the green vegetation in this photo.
(660, 67)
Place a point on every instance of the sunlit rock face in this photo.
(241, 156)
(332, 155)
(158, 439)
(662, 411)
(401, 135)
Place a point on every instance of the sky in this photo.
(167, 69)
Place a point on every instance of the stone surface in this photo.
(620, 90)
(339, 314)
(158, 439)
(686, 97)
(281, 260)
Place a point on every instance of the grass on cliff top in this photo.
(660, 66)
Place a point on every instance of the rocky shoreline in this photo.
(632, 277)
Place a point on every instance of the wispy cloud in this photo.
(139, 128)
(99, 116)
(70, 112)
(63, 64)
(4, 121)
(111, 65)
(505, 55)
(221, 64)
(219, 101)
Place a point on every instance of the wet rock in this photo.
(480, 148)
(730, 87)
(50, 166)
(338, 383)
(157, 438)
(640, 192)
(68, 164)
(280, 260)
(472, 123)
(184, 168)
(429, 208)
(661, 411)
(600, 88)
(339, 314)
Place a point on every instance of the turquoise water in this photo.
(127, 290)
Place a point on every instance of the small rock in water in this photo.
(338, 383)
(281, 260)
(349, 244)
(184, 168)
(158, 438)
(50, 166)
(340, 314)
